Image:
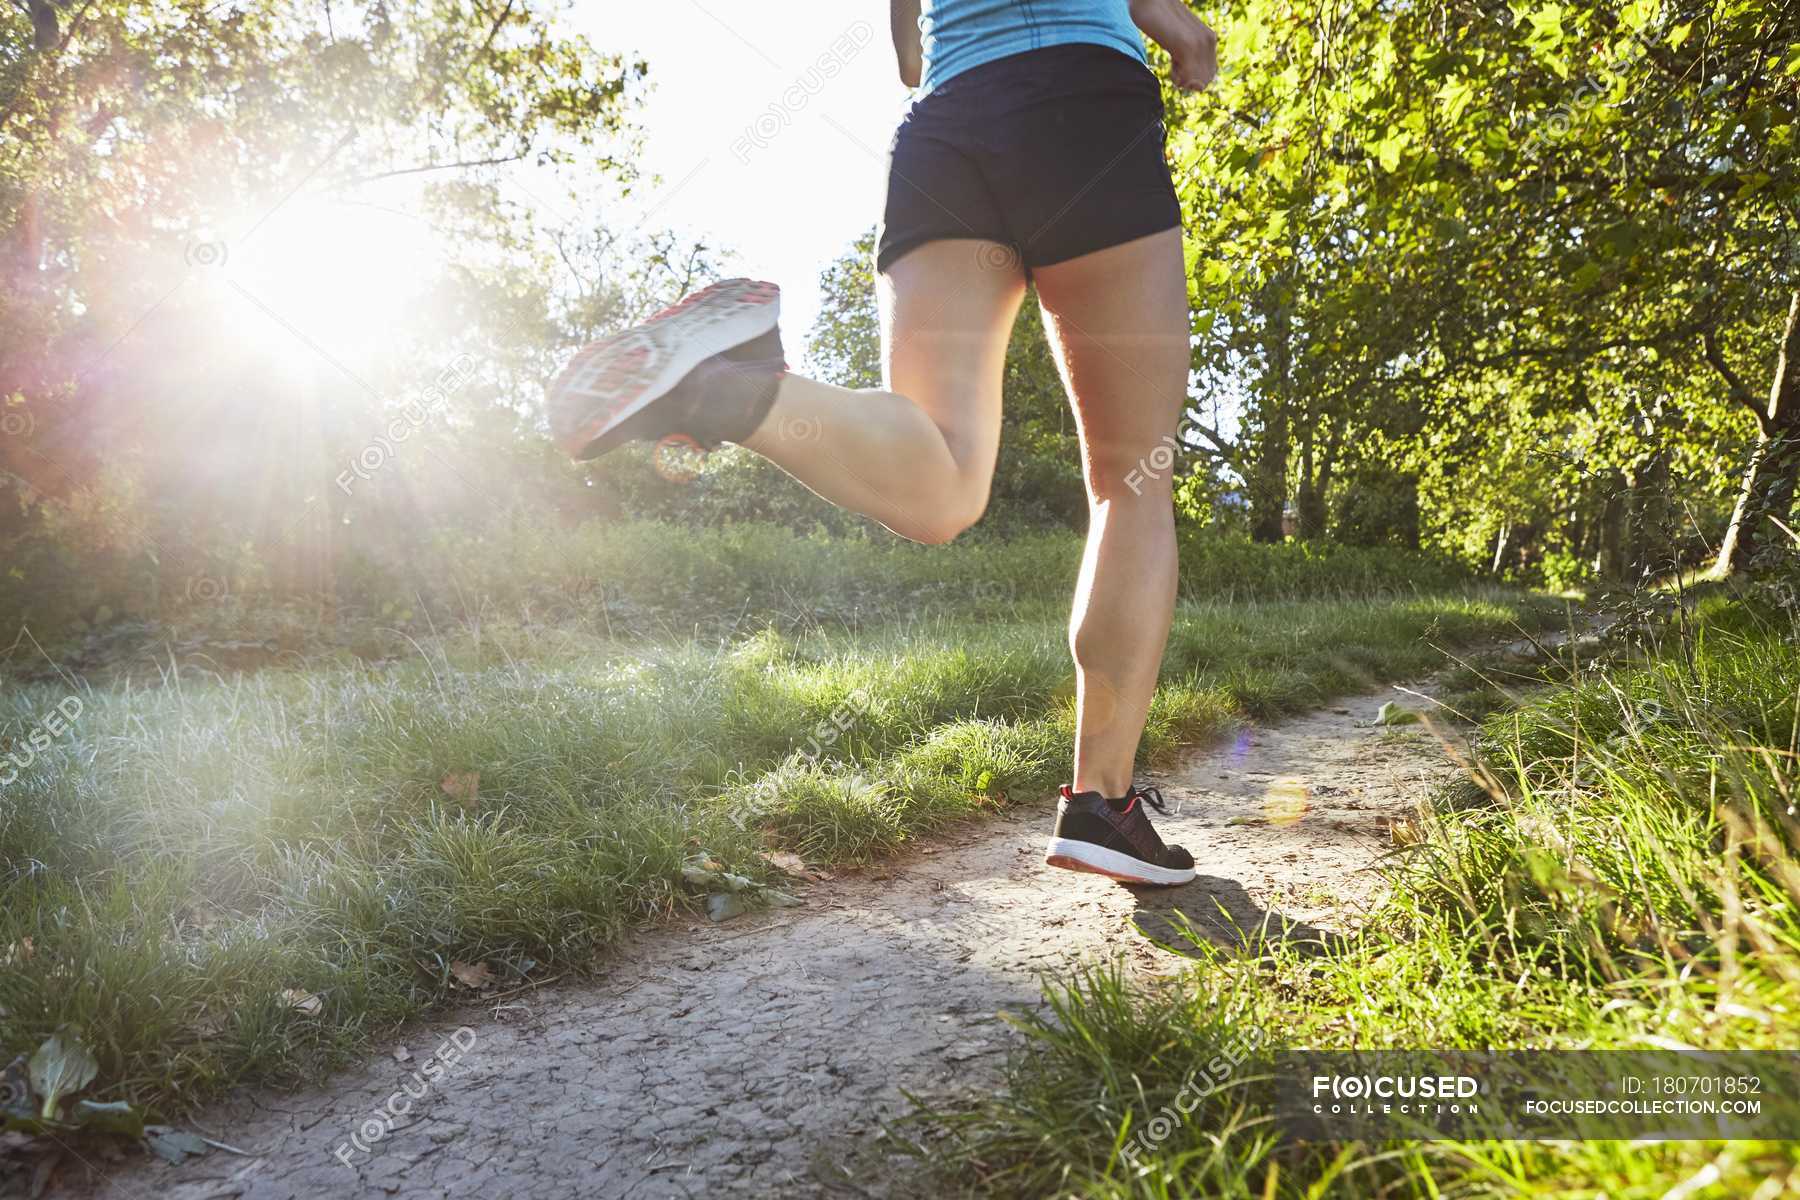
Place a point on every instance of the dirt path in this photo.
(758, 1057)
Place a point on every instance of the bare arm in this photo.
(1192, 46)
(903, 16)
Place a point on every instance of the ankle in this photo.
(782, 420)
(734, 399)
(1112, 786)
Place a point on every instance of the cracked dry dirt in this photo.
(759, 1057)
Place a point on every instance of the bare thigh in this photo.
(1118, 319)
(947, 310)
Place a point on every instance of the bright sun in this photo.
(324, 277)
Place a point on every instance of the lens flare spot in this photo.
(1240, 746)
(678, 458)
(1285, 802)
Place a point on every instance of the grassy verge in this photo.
(221, 879)
(1625, 868)
(633, 579)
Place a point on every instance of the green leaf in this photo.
(61, 1066)
(172, 1145)
(117, 1116)
(1547, 26)
(1391, 713)
(1455, 97)
(723, 906)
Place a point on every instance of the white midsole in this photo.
(1114, 862)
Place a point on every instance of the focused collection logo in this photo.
(1407, 1095)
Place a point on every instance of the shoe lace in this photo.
(1151, 796)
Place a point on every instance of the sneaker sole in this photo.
(1072, 854)
(613, 379)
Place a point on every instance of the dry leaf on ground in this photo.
(462, 787)
(303, 1002)
(473, 976)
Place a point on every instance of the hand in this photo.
(1191, 43)
(1194, 58)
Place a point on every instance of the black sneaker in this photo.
(706, 368)
(1114, 838)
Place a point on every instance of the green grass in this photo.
(195, 853)
(1624, 867)
(633, 579)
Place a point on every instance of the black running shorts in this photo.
(1055, 153)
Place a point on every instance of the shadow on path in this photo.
(1220, 912)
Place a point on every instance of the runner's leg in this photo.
(1118, 319)
(918, 457)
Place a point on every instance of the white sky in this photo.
(749, 160)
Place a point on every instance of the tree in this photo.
(1569, 199)
(142, 135)
(142, 150)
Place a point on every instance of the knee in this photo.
(949, 519)
(1132, 479)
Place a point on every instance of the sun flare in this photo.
(323, 277)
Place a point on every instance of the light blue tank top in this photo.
(959, 34)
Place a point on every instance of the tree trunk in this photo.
(1268, 486)
(1767, 490)
(1653, 542)
(1609, 561)
(1306, 494)
(1309, 505)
